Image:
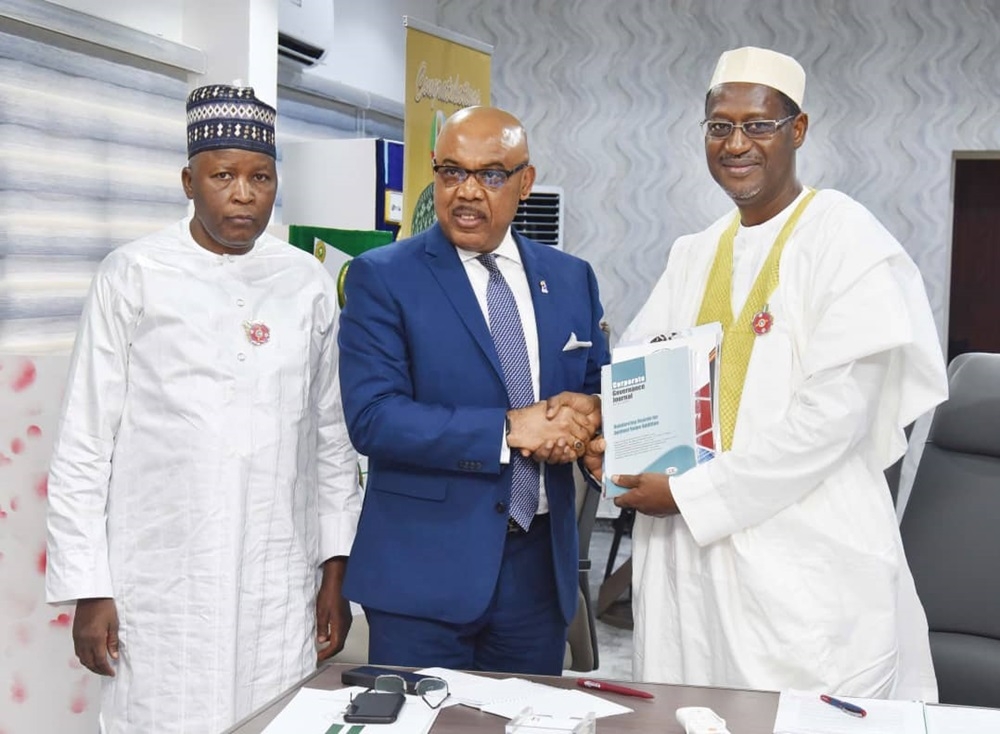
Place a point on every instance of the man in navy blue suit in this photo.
(470, 364)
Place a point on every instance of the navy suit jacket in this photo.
(425, 401)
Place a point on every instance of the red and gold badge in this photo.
(762, 322)
(257, 332)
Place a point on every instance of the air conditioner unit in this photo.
(540, 216)
(305, 30)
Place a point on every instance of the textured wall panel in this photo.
(612, 93)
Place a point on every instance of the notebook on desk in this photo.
(800, 712)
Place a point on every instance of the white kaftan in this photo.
(200, 479)
(785, 568)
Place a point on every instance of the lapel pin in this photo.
(257, 332)
(762, 322)
(543, 286)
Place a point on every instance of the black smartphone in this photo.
(373, 707)
(365, 675)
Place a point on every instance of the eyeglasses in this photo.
(433, 690)
(491, 178)
(756, 129)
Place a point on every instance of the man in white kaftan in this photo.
(203, 473)
(784, 567)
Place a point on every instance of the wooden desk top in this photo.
(745, 712)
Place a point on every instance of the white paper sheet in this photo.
(800, 712)
(559, 703)
(961, 720)
(507, 697)
(467, 688)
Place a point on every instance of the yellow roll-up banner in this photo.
(444, 73)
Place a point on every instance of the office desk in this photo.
(746, 712)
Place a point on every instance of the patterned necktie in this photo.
(508, 337)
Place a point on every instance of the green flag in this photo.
(335, 248)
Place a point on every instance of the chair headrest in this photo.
(969, 420)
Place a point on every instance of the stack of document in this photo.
(806, 713)
(659, 404)
(315, 711)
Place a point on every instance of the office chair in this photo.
(581, 643)
(892, 474)
(951, 533)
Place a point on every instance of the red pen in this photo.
(599, 685)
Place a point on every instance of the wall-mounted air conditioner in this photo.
(540, 216)
(305, 30)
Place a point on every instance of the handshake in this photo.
(561, 429)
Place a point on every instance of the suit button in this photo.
(500, 507)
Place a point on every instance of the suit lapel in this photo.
(546, 315)
(447, 268)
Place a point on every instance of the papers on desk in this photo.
(804, 713)
(507, 697)
(800, 712)
(961, 720)
(314, 711)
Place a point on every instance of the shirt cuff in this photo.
(80, 574)
(504, 448)
(701, 505)
(336, 532)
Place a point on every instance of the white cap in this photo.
(761, 66)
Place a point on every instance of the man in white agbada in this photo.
(779, 563)
(202, 493)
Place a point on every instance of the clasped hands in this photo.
(557, 430)
(648, 493)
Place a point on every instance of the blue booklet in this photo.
(659, 408)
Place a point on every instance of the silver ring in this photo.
(578, 445)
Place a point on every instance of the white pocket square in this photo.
(575, 343)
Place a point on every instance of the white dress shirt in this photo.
(508, 259)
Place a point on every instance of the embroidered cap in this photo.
(761, 66)
(223, 116)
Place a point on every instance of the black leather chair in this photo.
(892, 474)
(951, 533)
(581, 644)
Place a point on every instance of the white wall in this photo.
(246, 53)
(368, 49)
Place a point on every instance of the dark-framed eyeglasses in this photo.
(432, 690)
(756, 129)
(491, 178)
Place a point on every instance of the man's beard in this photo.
(743, 194)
